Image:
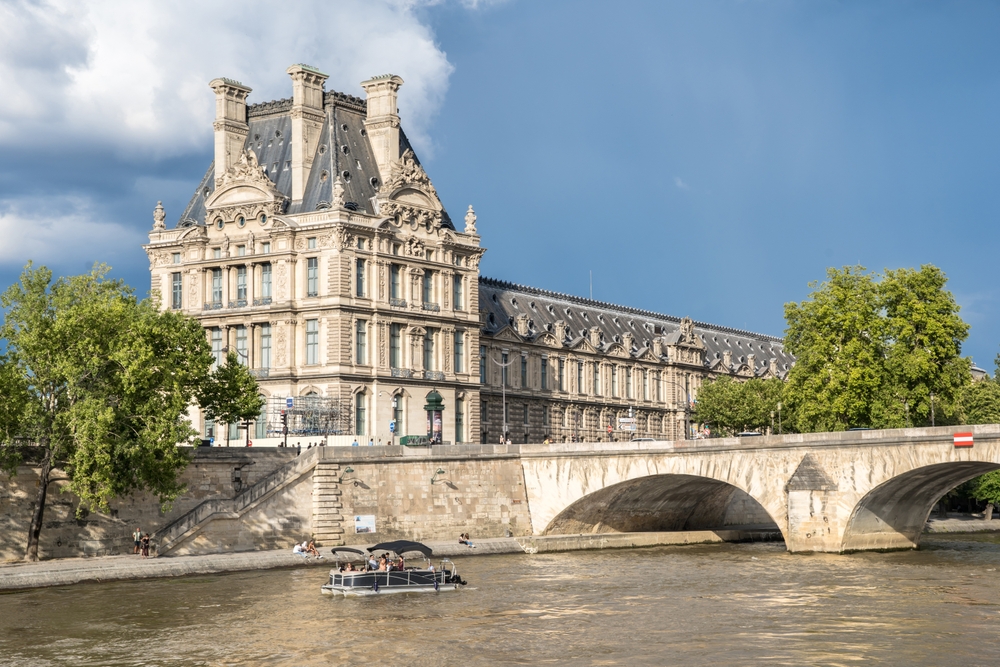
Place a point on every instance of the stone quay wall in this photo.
(216, 472)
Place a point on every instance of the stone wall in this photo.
(216, 472)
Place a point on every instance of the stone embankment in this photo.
(66, 571)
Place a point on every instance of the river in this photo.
(694, 605)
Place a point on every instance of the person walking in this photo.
(137, 539)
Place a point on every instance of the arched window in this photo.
(260, 430)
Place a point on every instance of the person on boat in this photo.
(400, 564)
(382, 563)
(349, 567)
(372, 563)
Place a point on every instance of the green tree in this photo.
(987, 487)
(980, 402)
(730, 406)
(100, 383)
(231, 396)
(876, 351)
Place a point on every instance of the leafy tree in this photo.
(980, 402)
(99, 383)
(231, 396)
(987, 487)
(731, 406)
(876, 351)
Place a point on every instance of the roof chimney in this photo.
(307, 122)
(382, 123)
(230, 124)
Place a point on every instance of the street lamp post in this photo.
(503, 393)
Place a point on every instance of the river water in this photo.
(695, 605)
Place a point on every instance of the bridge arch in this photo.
(661, 502)
(893, 514)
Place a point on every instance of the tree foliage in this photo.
(730, 406)
(99, 383)
(987, 487)
(876, 350)
(231, 396)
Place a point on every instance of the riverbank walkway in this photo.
(66, 571)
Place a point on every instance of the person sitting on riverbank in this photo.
(311, 549)
(466, 540)
(300, 550)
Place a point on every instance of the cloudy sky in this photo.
(702, 158)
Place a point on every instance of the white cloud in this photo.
(57, 232)
(681, 184)
(134, 74)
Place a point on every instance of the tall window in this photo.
(395, 345)
(312, 342)
(361, 342)
(545, 417)
(459, 421)
(628, 382)
(562, 375)
(216, 286)
(397, 414)
(361, 278)
(217, 352)
(265, 281)
(241, 344)
(597, 379)
(659, 387)
(580, 389)
(428, 286)
(457, 296)
(176, 290)
(503, 369)
(265, 247)
(525, 414)
(241, 283)
(395, 284)
(265, 345)
(524, 371)
(459, 351)
(645, 385)
(614, 381)
(359, 412)
(482, 364)
(312, 276)
(429, 350)
(545, 373)
(260, 428)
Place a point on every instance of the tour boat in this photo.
(366, 581)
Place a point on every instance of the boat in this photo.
(366, 581)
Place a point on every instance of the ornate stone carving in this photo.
(281, 343)
(250, 244)
(341, 238)
(727, 360)
(282, 281)
(470, 221)
(159, 216)
(338, 194)
(231, 201)
(521, 324)
(414, 247)
(408, 172)
(225, 246)
(246, 170)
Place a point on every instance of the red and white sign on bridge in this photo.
(963, 440)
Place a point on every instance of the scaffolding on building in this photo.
(308, 416)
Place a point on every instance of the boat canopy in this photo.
(403, 546)
(347, 550)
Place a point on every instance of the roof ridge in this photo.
(504, 284)
(333, 97)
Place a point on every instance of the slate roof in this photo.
(503, 301)
(343, 149)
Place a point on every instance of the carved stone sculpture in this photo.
(338, 194)
(159, 216)
(470, 221)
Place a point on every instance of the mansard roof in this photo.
(343, 150)
(503, 301)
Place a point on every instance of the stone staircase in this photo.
(327, 514)
(188, 525)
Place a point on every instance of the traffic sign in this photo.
(963, 440)
(610, 429)
(627, 427)
(626, 420)
(289, 402)
(392, 426)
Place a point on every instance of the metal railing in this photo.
(433, 375)
(432, 307)
(402, 373)
(260, 372)
(213, 305)
(239, 303)
(397, 303)
(264, 301)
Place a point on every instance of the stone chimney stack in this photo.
(230, 124)
(307, 122)
(382, 123)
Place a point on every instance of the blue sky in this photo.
(706, 159)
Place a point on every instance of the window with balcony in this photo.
(429, 350)
(428, 289)
(459, 351)
(265, 346)
(241, 344)
(312, 276)
(176, 290)
(217, 353)
(457, 292)
(396, 285)
(241, 286)
(265, 284)
(395, 345)
(217, 287)
(360, 275)
(361, 342)
(312, 342)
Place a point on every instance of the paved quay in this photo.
(962, 523)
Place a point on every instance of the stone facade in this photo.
(316, 247)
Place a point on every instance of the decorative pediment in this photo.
(687, 336)
(583, 345)
(617, 350)
(507, 334)
(647, 355)
(549, 340)
(409, 196)
(245, 190)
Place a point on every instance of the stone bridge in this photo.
(833, 492)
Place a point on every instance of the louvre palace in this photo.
(317, 250)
